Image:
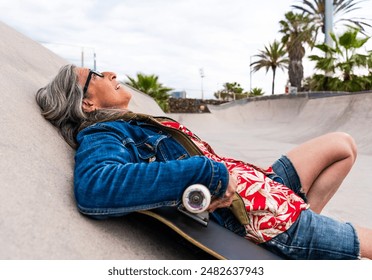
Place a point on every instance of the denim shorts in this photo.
(286, 174)
(312, 236)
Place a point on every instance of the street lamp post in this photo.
(328, 27)
(94, 58)
(328, 22)
(201, 70)
(250, 73)
(82, 55)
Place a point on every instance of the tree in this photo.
(256, 92)
(298, 31)
(230, 91)
(315, 10)
(369, 62)
(343, 58)
(149, 85)
(271, 57)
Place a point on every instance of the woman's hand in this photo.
(227, 199)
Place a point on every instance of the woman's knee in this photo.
(347, 145)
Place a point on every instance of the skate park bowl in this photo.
(39, 218)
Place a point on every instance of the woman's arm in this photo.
(108, 182)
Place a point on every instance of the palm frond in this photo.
(315, 9)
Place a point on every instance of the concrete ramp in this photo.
(296, 118)
(39, 219)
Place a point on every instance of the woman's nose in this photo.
(110, 75)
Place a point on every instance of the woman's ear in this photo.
(88, 106)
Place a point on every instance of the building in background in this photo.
(178, 94)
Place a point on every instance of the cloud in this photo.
(172, 39)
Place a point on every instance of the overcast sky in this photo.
(172, 39)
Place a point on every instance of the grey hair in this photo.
(61, 104)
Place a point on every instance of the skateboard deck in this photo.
(214, 239)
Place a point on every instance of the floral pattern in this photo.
(271, 207)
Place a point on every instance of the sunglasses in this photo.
(91, 72)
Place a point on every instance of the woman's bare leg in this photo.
(365, 239)
(322, 164)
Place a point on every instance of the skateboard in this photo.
(207, 235)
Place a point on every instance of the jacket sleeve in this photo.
(108, 182)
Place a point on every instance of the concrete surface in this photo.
(39, 219)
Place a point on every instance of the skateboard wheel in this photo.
(196, 198)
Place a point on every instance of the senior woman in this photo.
(128, 162)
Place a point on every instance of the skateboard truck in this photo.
(195, 202)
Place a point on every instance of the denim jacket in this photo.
(126, 166)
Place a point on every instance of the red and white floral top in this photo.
(271, 207)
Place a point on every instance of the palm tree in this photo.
(298, 31)
(315, 9)
(345, 58)
(272, 57)
(230, 91)
(369, 62)
(149, 84)
(256, 92)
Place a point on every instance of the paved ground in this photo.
(39, 219)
